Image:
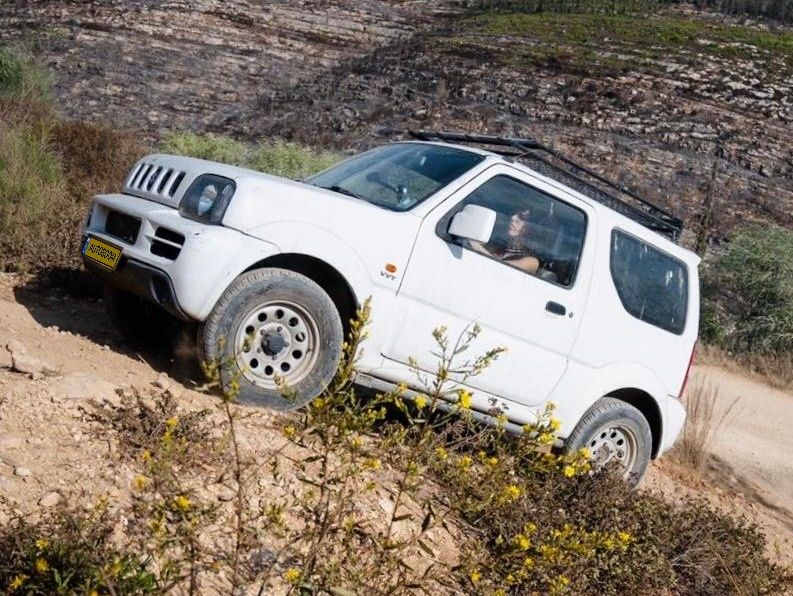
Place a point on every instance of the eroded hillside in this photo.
(656, 100)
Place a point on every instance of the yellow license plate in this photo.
(102, 252)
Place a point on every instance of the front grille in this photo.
(153, 179)
(122, 226)
(167, 243)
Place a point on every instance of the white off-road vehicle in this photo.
(596, 303)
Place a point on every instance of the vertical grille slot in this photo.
(175, 184)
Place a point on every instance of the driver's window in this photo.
(534, 231)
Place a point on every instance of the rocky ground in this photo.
(60, 360)
(328, 73)
(58, 354)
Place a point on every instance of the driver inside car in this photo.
(515, 251)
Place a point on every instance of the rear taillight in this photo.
(688, 370)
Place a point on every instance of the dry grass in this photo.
(774, 369)
(704, 419)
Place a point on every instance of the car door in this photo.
(534, 314)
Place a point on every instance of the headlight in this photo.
(207, 198)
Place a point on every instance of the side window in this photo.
(652, 285)
(534, 231)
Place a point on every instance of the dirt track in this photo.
(44, 434)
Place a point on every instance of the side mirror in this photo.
(474, 222)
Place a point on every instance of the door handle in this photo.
(556, 308)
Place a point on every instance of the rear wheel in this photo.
(271, 325)
(615, 433)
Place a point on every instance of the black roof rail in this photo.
(526, 149)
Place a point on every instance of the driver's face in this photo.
(517, 226)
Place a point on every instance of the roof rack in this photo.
(570, 173)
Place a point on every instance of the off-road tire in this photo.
(260, 290)
(614, 423)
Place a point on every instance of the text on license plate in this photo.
(102, 252)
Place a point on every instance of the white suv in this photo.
(596, 303)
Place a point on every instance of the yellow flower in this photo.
(372, 464)
(464, 399)
(585, 453)
(522, 542)
(492, 461)
(292, 575)
(290, 431)
(510, 493)
(402, 387)
(442, 454)
(530, 528)
(475, 576)
(528, 563)
(139, 482)
(420, 401)
(42, 543)
(545, 438)
(172, 422)
(356, 442)
(17, 582)
(625, 538)
(318, 403)
(145, 456)
(465, 462)
(568, 471)
(42, 566)
(555, 424)
(182, 503)
(93, 593)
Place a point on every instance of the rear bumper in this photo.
(142, 280)
(673, 422)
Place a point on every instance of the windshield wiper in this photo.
(345, 191)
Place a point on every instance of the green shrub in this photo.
(30, 175)
(21, 76)
(278, 158)
(70, 552)
(10, 72)
(748, 292)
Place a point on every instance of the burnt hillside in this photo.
(655, 98)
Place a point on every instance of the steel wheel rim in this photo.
(614, 444)
(277, 339)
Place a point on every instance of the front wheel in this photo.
(615, 433)
(271, 325)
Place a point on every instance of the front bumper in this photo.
(180, 264)
(141, 280)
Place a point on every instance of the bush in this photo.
(10, 72)
(748, 292)
(278, 158)
(48, 171)
(70, 552)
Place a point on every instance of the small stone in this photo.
(162, 382)
(22, 472)
(23, 362)
(50, 499)
(84, 386)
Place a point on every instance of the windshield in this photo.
(398, 176)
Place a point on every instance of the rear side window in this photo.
(652, 285)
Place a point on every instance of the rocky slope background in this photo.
(689, 107)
